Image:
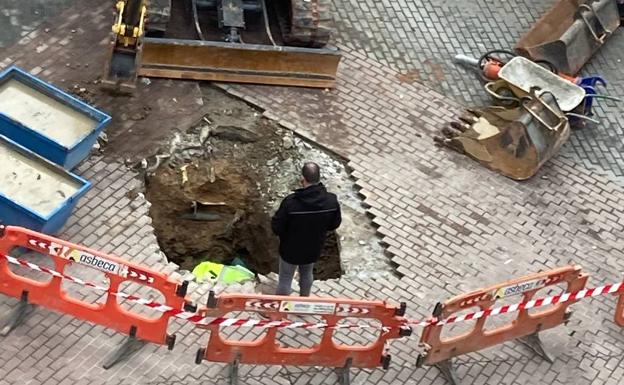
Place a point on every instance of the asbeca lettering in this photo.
(99, 263)
(520, 288)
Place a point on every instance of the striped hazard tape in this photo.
(263, 305)
(350, 309)
(193, 317)
(238, 322)
(534, 303)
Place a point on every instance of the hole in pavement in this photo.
(212, 200)
(214, 188)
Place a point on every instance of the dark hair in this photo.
(311, 172)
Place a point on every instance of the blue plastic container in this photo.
(46, 120)
(34, 192)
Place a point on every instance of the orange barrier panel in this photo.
(267, 350)
(439, 350)
(619, 310)
(109, 314)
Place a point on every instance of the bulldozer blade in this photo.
(515, 141)
(232, 62)
(570, 33)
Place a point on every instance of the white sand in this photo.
(31, 184)
(43, 114)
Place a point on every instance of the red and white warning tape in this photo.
(237, 322)
(185, 315)
(193, 317)
(553, 300)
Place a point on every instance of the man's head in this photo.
(310, 174)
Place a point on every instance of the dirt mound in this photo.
(228, 220)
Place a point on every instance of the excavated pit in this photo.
(214, 188)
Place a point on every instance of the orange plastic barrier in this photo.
(619, 310)
(525, 324)
(109, 314)
(267, 350)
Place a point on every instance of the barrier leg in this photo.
(17, 315)
(448, 370)
(125, 350)
(344, 377)
(533, 342)
(233, 371)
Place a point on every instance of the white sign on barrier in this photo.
(519, 288)
(307, 307)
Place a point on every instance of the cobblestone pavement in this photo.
(420, 38)
(18, 18)
(449, 225)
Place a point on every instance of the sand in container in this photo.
(32, 184)
(43, 114)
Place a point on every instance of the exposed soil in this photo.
(238, 165)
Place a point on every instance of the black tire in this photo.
(309, 24)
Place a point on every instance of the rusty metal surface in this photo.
(250, 62)
(513, 141)
(570, 33)
(247, 63)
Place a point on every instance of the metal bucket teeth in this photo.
(515, 142)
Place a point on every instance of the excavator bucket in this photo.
(120, 72)
(235, 62)
(513, 141)
(570, 33)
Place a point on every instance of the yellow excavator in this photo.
(280, 42)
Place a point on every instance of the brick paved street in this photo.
(449, 225)
(18, 18)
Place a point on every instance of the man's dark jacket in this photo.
(302, 222)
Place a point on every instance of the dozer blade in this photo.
(570, 33)
(515, 142)
(232, 62)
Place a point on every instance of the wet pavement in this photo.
(19, 17)
(448, 224)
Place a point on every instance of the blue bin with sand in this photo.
(47, 120)
(34, 192)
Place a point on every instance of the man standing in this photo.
(302, 222)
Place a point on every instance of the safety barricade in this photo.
(619, 309)
(109, 314)
(267, 350)
(439, 351)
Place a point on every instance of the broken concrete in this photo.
(213, 195)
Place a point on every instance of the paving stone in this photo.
(451, 225)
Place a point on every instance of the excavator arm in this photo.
(126, 46)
